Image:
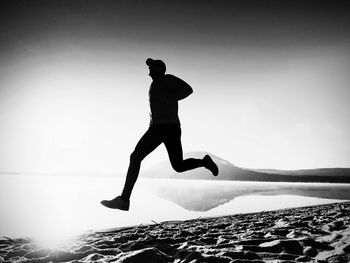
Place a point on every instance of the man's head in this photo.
(157, 67)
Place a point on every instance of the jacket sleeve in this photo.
(179, 88)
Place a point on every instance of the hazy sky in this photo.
(270, 79)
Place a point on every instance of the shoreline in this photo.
(113, 229)
(252, 204)
(319, 233)
(111, 175)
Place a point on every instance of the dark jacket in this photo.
(164, 95)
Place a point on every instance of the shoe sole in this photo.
(106, 204)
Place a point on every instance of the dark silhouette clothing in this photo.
(164, 94)
(170, 135)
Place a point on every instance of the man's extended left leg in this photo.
(149, 141)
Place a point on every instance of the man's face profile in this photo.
(155, 71)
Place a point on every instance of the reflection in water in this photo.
(206, 195)
(51, 208)
(259, 203)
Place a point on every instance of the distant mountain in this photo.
(330, 175)
(318, 171)
(230, 172)
(226, 169)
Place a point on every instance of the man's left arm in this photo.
(180, 89)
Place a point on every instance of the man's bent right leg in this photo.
(174, 147)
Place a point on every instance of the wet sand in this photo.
(308, 234)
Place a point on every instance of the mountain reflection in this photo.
(199, 195)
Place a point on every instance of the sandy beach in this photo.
(308, 234)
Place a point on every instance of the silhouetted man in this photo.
(165, 92)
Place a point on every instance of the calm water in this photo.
(54, 207)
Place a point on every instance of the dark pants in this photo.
(170, 135)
